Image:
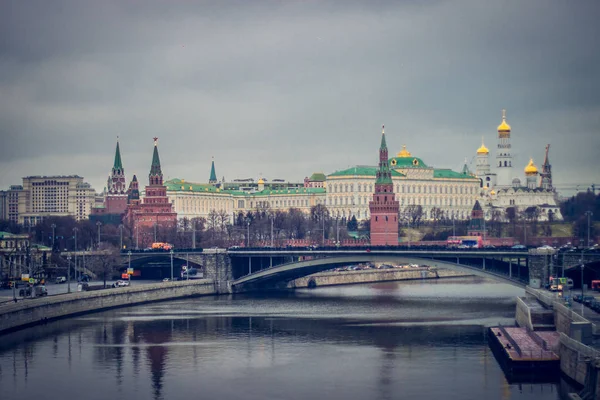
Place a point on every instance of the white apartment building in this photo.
(54, 196)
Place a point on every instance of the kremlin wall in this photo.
(385, 193)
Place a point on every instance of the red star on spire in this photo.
(155, 140)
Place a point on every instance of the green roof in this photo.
(180, 185)
(447, 173)
(407, 162)
(361, 170)
(318, 177)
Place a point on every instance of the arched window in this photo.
(505, 164)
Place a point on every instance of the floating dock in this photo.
(531, 355)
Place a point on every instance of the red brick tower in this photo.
(383, 207)
(154, 216)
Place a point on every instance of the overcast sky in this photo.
(287, 88)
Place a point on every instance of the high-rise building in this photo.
(52, 196)
(384, 207)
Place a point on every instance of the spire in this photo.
(383, 143)
(213, 174)
(155, 168)
(465, 169)
(118, 164)
(384, 174)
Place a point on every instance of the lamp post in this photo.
(129, 266)
(323, 229)
(272, 218)
(98, 224)
(171, 264)
(187, 262)
(75, 232)
(53, 235)
(582, 266)
(589, 214)
(155, 232)
(337, 231)
(248, 235)
(68, 274)
(121, 232)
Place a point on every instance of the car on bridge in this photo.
(519, 247)
(120, 283)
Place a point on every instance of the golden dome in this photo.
(531, 169)
(493, 192)
(504, 127)
(404, 152)
(483, 149)
(261, 181)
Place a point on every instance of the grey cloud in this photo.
(288, 88)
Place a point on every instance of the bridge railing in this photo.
(161, 251)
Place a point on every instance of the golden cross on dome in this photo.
(503, 113)
(155, 140)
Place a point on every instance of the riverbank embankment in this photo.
(40, 310)
(332, 278)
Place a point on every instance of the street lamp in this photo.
(53, 235)
(589, 214)
(98, 224)
(582, 266)
(272, 218)
(121, 232)
(129, 266)
(248, 235)
(171, 264)
(68, 274)
(75, 231)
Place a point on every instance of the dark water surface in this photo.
(410, 340)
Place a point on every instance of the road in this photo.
(6, 295)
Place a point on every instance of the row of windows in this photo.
(363, 214)
(349, 187)
(432, 201)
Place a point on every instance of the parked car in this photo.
(120, 283)
(518, 247)
(61, 279)
(38, 291)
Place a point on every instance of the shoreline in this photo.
(373, 276)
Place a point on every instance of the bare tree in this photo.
(106, 264)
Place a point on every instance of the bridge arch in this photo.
(277, 275)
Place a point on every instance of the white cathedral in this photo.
(501, 188)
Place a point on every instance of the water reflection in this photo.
(363, 342)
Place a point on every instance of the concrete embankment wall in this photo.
(35, 311)
(370, 276)
(574, 358)
(523, 315)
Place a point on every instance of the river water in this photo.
(393, 340)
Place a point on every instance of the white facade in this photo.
(504, 170)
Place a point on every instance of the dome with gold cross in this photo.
(531, 169)
(404, 152)
(483, 149)
(504, 127)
